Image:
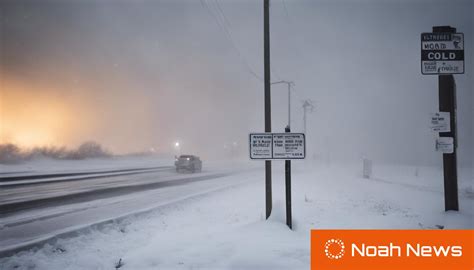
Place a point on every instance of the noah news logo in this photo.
(334, 249)
(392, 249)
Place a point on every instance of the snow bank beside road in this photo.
(226, 229)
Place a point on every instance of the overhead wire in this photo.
(225, 25)
(297, 47)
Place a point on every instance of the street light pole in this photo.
(289, 98)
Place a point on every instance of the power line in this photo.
(222, 21)
(222, 13)
(227, 30)
(291, 25)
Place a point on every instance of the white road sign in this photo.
(261, 146)
(288, 146)
(440, 122)
(277, 146)
(445, 145)
(442, 53)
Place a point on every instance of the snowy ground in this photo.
(226, 229)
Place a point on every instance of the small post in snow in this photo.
(367, 168)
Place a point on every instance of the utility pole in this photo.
(307, 104)
(267, 102)
(447, 103)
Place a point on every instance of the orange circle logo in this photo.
(334, 249)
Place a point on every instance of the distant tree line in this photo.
(11, 153)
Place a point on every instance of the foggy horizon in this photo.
(142, 75)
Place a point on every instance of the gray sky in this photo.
(139, 74)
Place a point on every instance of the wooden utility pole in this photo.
(267, 102)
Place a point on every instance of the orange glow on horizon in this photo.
(29, 117)
(59, 114)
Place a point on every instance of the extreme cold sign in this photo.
(277, 146)
(442, 53)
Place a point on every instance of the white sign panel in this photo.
(440, 122)
(445, 145)
(288, 146)
(277, 146)
(442, 53)
(261, 146)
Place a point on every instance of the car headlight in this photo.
(187, 158)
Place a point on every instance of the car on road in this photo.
(188, 163)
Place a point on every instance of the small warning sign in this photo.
(440, 122)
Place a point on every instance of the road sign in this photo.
(288, 146)
(261, 146)
(445, 145)
(277, 146)
(440, 122)
(442, 53)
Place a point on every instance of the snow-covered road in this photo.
(17, 191)
(35, 213)
(13, 195)
(18, 179)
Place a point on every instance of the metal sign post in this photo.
(288, 187)
(442, 54)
